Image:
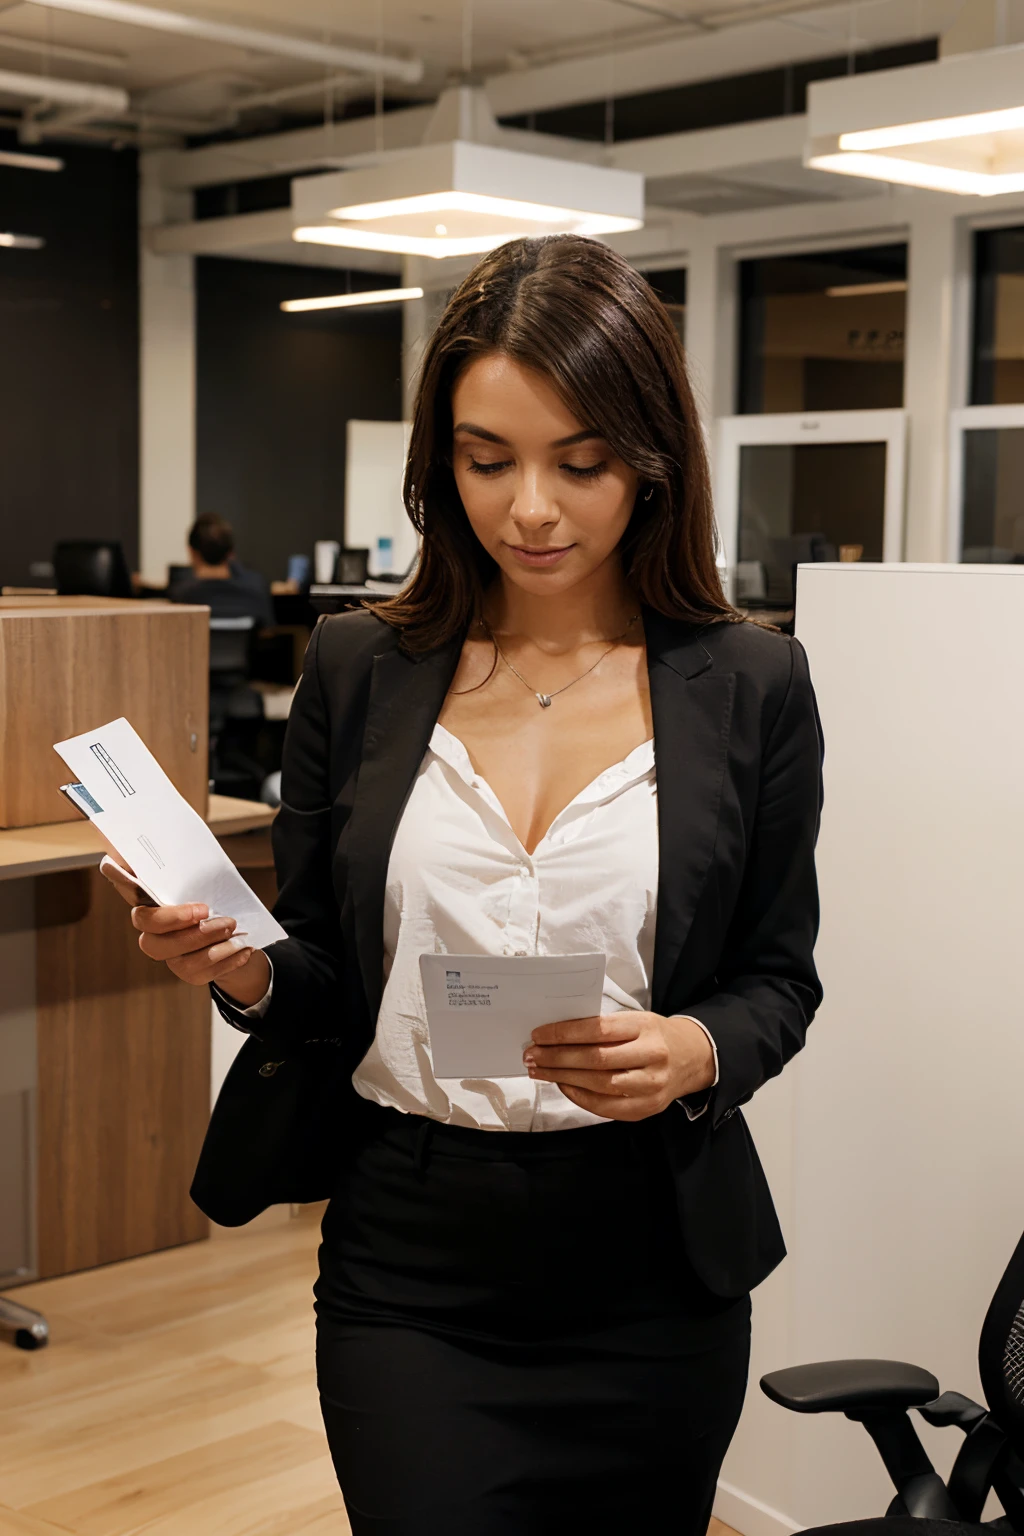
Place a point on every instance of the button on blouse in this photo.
(460, 882)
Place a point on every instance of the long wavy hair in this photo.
(574, 311)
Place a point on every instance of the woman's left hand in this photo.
(623, 1066)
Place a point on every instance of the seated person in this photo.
(227, 588)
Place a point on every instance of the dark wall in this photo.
(69, 342)
(275, 391)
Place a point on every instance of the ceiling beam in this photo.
(255, 39)
(276, 154)
(703, 151)
(733, 50)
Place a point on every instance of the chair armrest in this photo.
(952, 1408)
(851, 1386)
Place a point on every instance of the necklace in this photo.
(544, 699)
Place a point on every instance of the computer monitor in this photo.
(91, 568)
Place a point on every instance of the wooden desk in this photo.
(104, 1056)
(63, 845)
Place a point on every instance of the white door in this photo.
(801, 487)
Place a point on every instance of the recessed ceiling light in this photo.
(865, 290)
(30, 162)
(350, 300)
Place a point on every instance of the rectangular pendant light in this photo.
(460, 199)
(14, 242)
(351, 300)
(953, 126)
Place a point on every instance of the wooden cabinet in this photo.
(68, 664)
(104, 1056)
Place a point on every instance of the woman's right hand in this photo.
(196, 947)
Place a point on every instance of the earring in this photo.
(650, 493)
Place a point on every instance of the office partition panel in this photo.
(894, 1143)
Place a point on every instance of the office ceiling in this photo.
(195, 83)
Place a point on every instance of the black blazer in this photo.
(738, 764)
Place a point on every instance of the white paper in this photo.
(137, 810)
(482, 1009)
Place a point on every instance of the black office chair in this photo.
(26, 1328)
(91, 568)
(236, 709)
(879, 1395)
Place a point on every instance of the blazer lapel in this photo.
(406, 696)
(692, 710)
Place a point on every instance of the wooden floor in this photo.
(176, 1398)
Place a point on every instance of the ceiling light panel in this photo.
(955, 126)
(460, 199)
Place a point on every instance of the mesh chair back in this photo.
(229, 645)
(1001, 1352)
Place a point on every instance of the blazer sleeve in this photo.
(768, 986)
(307, 965)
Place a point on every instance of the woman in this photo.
(532, 1308)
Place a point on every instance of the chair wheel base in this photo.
(24, 1339)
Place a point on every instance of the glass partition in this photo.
(993, 496)
(986, 477)
(801, 502)
(670, 286)
(792, 489)
(822, 331)
(997, 351)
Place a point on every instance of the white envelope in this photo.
(482, 1009)
(137, 810)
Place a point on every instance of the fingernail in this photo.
(532, 1072)
(529, 1058)
(200, 911)
(234, 946)
(211, 924)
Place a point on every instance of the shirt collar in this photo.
(637, 765)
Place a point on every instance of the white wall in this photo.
(374, 468)
(894, 1143)
(167, 382)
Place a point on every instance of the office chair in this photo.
(27, 1328)
(236, 709)
(91, 568)
(879, 1395)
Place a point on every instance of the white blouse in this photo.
(460, 882)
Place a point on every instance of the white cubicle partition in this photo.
(895, 1143)
(374, 469)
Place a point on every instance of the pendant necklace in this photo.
(544, 699)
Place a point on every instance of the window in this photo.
(993, 512)
(670, 286)
(823, 331)
(997, 361)
(987, 443)
(792, 489)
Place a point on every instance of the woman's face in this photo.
(544, 493)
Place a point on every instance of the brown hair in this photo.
(573, 310)
(212, 538)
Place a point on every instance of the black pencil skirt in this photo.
(510, 1341)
